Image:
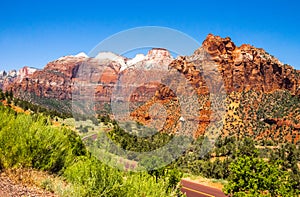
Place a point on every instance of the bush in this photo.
(143, 184)
(30, 141)
(94, 178)
(250, 176)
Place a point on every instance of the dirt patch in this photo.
(12, 188)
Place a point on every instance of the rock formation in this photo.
(145, 79)
(247, 67)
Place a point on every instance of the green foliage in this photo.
(129, 140)
(2, 95)
(30, 141)
(251, 176)
(63, 107)
(251, 114)
(142, 184)
(84, 129)
(94, 178)
(47, 185)
(35, 108)
(174, 177)
(149, 162)
(247, 148)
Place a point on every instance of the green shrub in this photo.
(250, 176)
(143, 184)
(28, 141)
(94, 178)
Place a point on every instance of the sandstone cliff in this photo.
(238, 69)
(242, 68)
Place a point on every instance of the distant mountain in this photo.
(9, 77)
(246, 72)
(242, 68)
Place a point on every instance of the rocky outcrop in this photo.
(242, 68)
(6, 78)
(25, 72)
(142, 79)
(218, 66)
(279, 122)
(54, 81)
(247, 67)
(58, 77)
(221, 66)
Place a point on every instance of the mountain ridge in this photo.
(244, 67)
(244, 70)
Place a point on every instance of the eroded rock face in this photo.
(25, 72)
(142, 79)
(226, 68)
(7, 78)
(54, 81)
(218, 66)
(247, 67)
(242, 68)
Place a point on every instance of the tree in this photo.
(2, 96)
(247, 148)
(251, 176)
(151, 164)
(174, 177)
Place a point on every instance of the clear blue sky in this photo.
(35, 32)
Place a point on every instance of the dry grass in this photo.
(15, 108)
(213, 159)
(41, 181)
(219, 184)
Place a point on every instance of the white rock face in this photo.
(25, 72)
(7, 77)
(136, 59)
(12, 73)
(81, 54)
(158, 53)
(3, 73)
(156, 58)
(109, 56)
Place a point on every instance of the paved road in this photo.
(92, 136)
(197, 190)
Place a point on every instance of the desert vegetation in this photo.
(32, 142)
(249, 165)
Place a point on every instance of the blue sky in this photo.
(33, 33)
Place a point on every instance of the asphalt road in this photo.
(193, 189)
